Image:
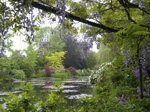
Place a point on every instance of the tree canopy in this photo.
(108, 15)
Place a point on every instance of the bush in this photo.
(100, 74)
(47, 70)
(18, 74)
(117, 77)
(72, 70)
(23, 102)
(27, 68)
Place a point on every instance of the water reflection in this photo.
(73, 87)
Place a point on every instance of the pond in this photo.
(74, 87)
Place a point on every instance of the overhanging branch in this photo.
(128, 4)
(71, 16)
(51, 9)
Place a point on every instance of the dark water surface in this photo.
(73, 87)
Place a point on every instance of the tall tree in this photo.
(48, 41)
(105, 54)
(16, 59)
(31, 55)
(73, 57)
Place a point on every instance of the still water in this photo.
(73, 87)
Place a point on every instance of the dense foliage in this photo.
(122, 27)
(56, 60)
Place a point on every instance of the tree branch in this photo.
(56, 11)
(129, 17)
(128, 4)
(71, 16)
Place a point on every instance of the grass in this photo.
(38, 75)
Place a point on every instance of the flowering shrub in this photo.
(99, 74)
(72, 70)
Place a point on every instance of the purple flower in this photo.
(111, 83)
(136, 71)
(147, 93)
(145, 86)
(86, 26)
(115, 49)
(139, 90)
(141, 4)
(122, 99)
(135, 2)
(144, 71)
(52, 69)
(144, 93)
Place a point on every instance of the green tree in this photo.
(31, 55)
(73, 57)
(16, 59)
(48, 40)
(91, 60)
(56, 59)
(105, 54)
(27, 68)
